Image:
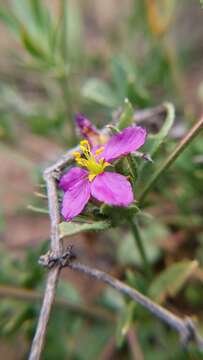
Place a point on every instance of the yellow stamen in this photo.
(89, 160)
(84, 142)
(99, 151)
(76, 154)
(91, 177)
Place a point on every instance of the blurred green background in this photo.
(60, 57)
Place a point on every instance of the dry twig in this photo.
(56, 246)
(185, 327)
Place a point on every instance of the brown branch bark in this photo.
(52, 278)
(149, 114)
(50, 175)
(185, 327)
(182, 145)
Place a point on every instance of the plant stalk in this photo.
(184, 143)
(140, 246)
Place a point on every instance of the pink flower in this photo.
(89, 131)
(79, 184)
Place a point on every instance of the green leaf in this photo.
(154, 143)
(23, 13)
(124, 322)
(92, 343)
(127, 81)
(119, 214)
(2, 220)
(152, 233)
(70, 228)
(163, 133)
(121, 71)
(16, 321)
(171, 280)
(39, 13)
(112, 299)
(126, 118)
(66, 290)
(32, 45)
(99, 92)
(38, 209)
(9, 20)
(35, 27)
(138, 94)
(71, 31)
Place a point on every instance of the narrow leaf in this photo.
(71, 26)
(31, 45)
(154, 143)
(39, 12)
(163, 133)
(9, 20)
(171, 280)
(70, 228)
(99, 92)
(38, 209)
(126, 118)
(124, 323)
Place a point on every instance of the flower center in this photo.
(87, 159)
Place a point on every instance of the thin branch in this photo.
(39, 338)
(52, 278)
(149, 114)
(28, 295)
(50, 175)
(173, 156)
(185, 327)
(61, 162)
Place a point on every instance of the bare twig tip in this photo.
(191, 334)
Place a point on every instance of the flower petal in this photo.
(72, 177)
(75, 199)
(87, 129)
(112, 188)
(129, 140)
(90, 132)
